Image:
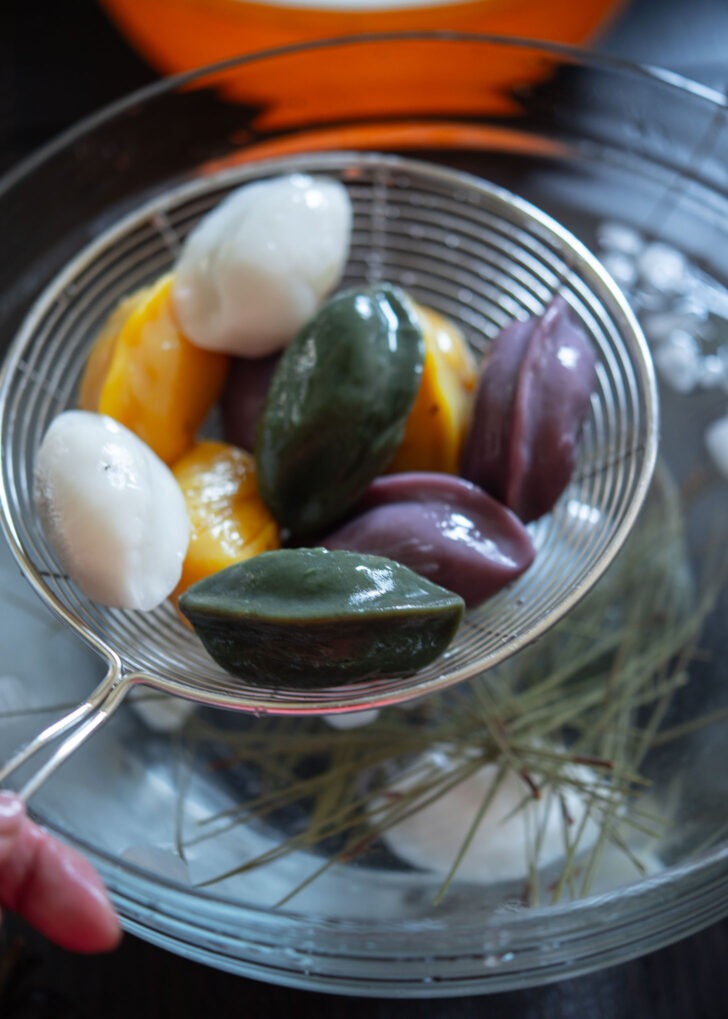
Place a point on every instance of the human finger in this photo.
(52, 886)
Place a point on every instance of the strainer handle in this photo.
(78, 724)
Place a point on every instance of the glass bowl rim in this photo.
(703, 875)
(170, 83)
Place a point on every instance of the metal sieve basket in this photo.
(478, 254)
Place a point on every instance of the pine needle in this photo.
(593, 693)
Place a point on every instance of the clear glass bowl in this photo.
(633, 162)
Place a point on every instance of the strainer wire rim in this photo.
(528, 215)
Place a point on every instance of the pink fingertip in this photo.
(12, 811)
(90, 923)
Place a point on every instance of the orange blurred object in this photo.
(351, 92)
(179, 35)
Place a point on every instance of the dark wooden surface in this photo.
(39, 96)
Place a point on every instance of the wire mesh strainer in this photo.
(473, 251)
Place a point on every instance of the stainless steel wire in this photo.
(473, 251)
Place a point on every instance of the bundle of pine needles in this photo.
(590, 697)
